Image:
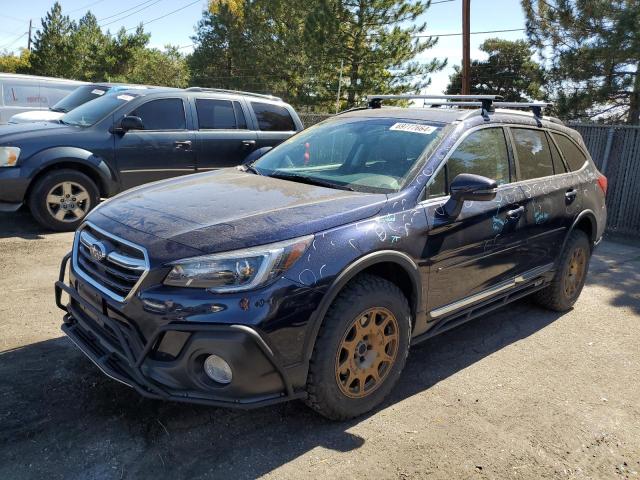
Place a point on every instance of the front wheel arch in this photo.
(385, 264)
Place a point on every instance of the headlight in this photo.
(9, 156)
(238, 270)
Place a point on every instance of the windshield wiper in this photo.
(59, 110)
(310, 180)
(249, 168)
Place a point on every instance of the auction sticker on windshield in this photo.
(126, 98)
(413, 127)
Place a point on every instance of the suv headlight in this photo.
(240, 269)
(9, 156)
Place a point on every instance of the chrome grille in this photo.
(113, 265)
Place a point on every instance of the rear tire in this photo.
(61, 199)
(563, 291)
(361, 349)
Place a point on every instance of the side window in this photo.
(483, 152)
(273, 118)
(165, 114)
(572, 154)
(534, 155)
(215, 114)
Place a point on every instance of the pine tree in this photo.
(593, 51)
(52, 52)
(509, 71)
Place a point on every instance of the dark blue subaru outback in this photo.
(308, 273)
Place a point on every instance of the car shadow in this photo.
(21, 224)
(61, 417)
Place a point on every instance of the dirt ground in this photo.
(522, 393)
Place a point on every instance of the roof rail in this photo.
(486, 102)
(236, 92)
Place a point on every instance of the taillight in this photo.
(602, 182)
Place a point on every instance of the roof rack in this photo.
(236, 92)
(486, 102)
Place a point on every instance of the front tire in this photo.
(563, 291)
(361, 349)
(61, 199)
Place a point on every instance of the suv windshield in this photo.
(79, 96)
(363, 154)
(89, 113)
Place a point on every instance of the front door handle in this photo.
(515, 213)
(248, 143)
(183, 145)
(571, 195)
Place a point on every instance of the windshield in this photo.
(79, 96)
(362, 154)
(91, 112)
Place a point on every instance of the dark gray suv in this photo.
(126, 138)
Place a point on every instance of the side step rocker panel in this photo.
(515, 289)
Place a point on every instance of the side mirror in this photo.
(131, 123)
(467, 186)
(255, 155)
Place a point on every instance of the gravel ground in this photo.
(521, 393)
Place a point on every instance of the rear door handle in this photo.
(515, 213)
(183, 145)
(571, 195)
(248, 143)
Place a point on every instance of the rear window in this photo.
(273, 118)
(534, 155)
(574, 157)
(219, 115)
(164, 114)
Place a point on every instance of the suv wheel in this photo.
(61, 199)
(361, 349)
(565, 288)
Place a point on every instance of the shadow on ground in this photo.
(62, 418)
(21, 224)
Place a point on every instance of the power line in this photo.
(86, 6)
(6, 45)
(166, 14)
(472, 33)
(145, 3)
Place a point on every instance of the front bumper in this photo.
(116, 347)
(13, 185)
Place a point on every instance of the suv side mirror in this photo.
(255, 155)
(468, 186)
(131, 123)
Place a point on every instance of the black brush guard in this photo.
(124, 359)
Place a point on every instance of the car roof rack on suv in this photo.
(486, 102)
(237, 92)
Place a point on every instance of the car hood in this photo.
(13, 134)
(36, 116)
(229, 209)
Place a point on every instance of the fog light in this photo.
(217, 369)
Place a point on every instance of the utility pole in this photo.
(29, 39)
(339, 86)
(466, 47)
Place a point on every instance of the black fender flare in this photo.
(594, 229)
(353, 269)
(45, 159)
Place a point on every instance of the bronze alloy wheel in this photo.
(367, 352)
(574, 277)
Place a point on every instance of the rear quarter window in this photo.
(573, 155)
(273, 118)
